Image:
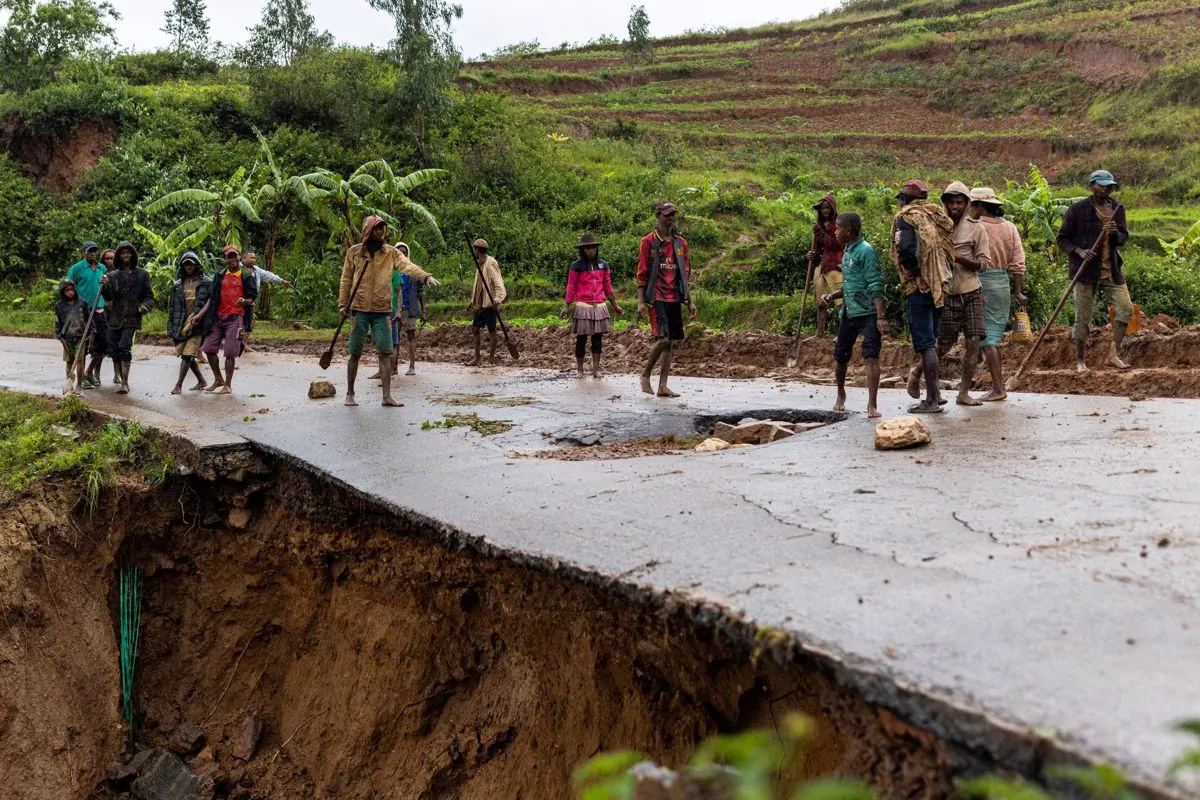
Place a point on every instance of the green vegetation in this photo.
(40, 438)
(764, 765)
(484, 427)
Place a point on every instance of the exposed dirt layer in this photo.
(375, 660)
(639, 448)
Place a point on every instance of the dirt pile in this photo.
(325, 647)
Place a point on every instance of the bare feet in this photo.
(177, 390)
(665, 392)
(579, 374)
(411, 371)
(646, 387)
(225, 390)
(1081, 367)
(391, 402)
(350, 401)
(994, 396)
(914, 384)
(123, 388)
(474, 362)
(1115, 361)
(840, 405)
(215, 385)
(596, 374)
(965, 399)
(199, 387)
(873, 412)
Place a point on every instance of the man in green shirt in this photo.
(86, 275)
(863, 310)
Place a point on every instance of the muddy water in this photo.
(380, 659)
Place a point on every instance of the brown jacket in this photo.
(375, 292)
(495, 282)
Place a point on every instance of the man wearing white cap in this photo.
(964, 299)
(1008, 262)
(1091, 233)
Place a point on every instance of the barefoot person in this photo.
(1008, 262)
(1097, 218)
(186, 311)
(108, 259)
(923, 248)
(664, 269)
(70, 318)
(589, 291)
(408, 306)
(233, 291)
(127, 297)
(863, 310)
(485, 299)
(825, 257)
(369, 266)
(963, 312)
(86, 275)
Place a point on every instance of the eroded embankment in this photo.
(379, 657)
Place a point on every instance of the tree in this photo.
(428, 56)
(287, 31)
(187, 25)
(227, 212)
(272, 201)
(639, 44)
(39, 38)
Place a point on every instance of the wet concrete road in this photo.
(1038, 565)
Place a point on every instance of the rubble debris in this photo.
(163, 776)
(186, 740)
(246, 741)
(901, 433)
(320, 389)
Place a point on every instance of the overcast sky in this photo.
(486, 24)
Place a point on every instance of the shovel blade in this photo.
(326, 360)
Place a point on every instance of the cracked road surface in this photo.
(1035, 566)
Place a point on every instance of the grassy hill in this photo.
(881, 89)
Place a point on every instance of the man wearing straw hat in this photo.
(1098, 218)
(1008, 261)
(589, 291)
(487, 293)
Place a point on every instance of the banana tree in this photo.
(1185, 245)
(227, 211)
(385, 193)
(1035, 210)
(339, 207)
(276, 197)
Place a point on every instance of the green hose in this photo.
(131, 626)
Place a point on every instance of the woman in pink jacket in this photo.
(589, 290)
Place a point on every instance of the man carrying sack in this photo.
(1091, 233)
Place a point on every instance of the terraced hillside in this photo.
(884, 86)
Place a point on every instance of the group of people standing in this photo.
(962, 265)
(206, 316)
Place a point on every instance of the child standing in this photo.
(70, 320)
(863, 311)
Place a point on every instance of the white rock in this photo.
(901, 432)
(713, 445)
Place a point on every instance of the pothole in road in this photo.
(673, 432)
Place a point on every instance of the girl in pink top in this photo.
(589, 290)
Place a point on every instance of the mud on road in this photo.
(1164, 364)
(327, 646)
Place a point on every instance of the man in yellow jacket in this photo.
(366, 293)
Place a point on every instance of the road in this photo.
(1035, 566)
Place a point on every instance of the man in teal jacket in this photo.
(86, 275)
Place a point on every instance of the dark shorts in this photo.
(923, 321)
(99, 335)
(120, 343)
(963, 314)
(248, 319)
(70, 349)
(373, 324)
(485, 319)
(667, 321)
(226, 333)
(849, 329)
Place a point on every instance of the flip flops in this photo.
(925, 408)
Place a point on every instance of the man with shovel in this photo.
(366, 294)
(487, 294)
(1091, 233)
(86, 275)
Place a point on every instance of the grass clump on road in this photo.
(40, 438)
(481, 399)
(484, 427)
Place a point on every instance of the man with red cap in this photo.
(233, 291)
(923, 249)
(664, 269)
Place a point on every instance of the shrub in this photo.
(1162, 285)
(20, 220)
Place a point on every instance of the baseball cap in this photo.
(230, 249)
(1103, 177)
(913, 188)
(665, 207)
(90, 246)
